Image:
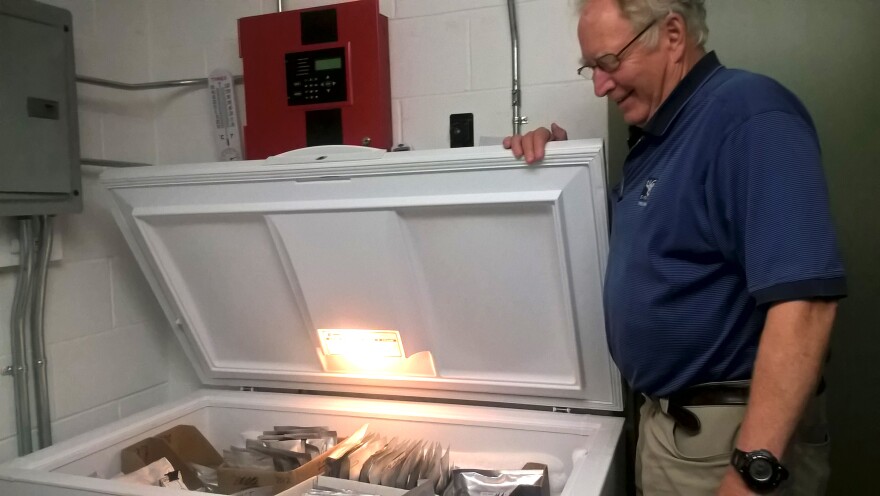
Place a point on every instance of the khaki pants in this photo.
(669, 461)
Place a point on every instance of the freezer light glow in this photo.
(361, 343)
(368, 352)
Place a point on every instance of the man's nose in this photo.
(602, 82)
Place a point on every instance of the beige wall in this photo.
(111, 352)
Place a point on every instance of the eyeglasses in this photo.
(610, 61)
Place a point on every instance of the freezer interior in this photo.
(473, 279)
(578, 449)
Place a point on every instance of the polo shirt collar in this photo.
(681, 94)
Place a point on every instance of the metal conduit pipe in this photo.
(176, 83)
(516, 94)
(38, 342)
(110, 163)
(19, 343)
(148, 86)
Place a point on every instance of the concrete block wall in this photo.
(111, 352)
(446, 57)
(108, 345)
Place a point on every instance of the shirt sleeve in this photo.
(769, 201)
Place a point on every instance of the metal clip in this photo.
(8, 370)
(561, 409)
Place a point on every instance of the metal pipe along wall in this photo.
(27, 327)
(38, 341)
(515, 93)
(19, 342)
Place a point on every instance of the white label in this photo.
(361, 343)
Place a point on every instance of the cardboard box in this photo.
(180, 445)
(345, 484)
(233, 479)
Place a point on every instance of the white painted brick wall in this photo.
(107, 340)
(454, 57)
(111, 352)
(450, 56)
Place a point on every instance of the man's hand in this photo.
(531, 145)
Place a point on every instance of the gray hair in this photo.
(642, 12)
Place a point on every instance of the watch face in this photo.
(760, 470)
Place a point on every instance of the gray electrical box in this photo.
(39, 133)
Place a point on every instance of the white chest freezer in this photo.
(449, 295)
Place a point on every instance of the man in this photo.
(723, 272)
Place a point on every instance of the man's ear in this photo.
(674, 35)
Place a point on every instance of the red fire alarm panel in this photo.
(318, 76)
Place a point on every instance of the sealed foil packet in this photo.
(467, 482)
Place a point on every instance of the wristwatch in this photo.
(760, 470)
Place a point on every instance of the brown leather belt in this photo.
(724, 393)
(714, 394)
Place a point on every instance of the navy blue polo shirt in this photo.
(722, 210)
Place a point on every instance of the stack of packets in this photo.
(465, 482)
(282, 449)
(162, 474)
(399, 463)
(294, 454)
(363, 457)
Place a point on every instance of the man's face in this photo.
(636, 86)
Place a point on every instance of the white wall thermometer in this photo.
(227, 135)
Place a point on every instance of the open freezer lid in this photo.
(460, 274)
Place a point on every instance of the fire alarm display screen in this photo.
(327, 64)
(317, 76)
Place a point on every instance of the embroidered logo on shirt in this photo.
(646, 192)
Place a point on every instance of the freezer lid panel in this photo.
(458, 275)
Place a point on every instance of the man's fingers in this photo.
(537, 141)
(532, 144)
(516, 145)
(559, 134)
(528, 146)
